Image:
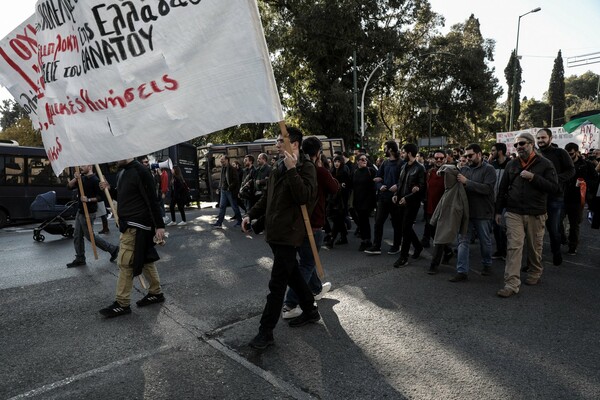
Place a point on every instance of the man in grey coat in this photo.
(479, 179)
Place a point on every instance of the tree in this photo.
(22, 131)
(514, 90)
(11, 112)
(584, 86)
(534, 114)
(313, 43)
(556, 91)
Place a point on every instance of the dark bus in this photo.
(26, 172)
(184, 155)
(209, 156)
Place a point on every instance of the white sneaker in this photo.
(172, 223)
(182, 223)
(326, 287)
(289, 313)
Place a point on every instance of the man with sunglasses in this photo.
(523, 194)
(479, 179)
(556, 203)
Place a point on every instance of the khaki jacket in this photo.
(451, 216)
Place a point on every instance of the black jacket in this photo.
(521, 196)
(411, 176)
(583, 169)
(136, 196)
(563, 165)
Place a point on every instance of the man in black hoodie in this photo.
(141, 225)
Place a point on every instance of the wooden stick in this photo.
(313, 245)
(87, 217)
(113, 209)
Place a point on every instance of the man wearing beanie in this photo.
(523, 192)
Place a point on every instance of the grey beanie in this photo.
(527, 136)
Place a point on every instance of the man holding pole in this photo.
(90, 196)
(292, 184)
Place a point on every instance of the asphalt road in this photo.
(385, 332)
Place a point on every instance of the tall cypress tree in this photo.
(556, 91)
(514, 85)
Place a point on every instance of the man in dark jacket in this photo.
(262, 175)
(326, 185)
(386, 184)
(141, 226)
(229, 186)
(292, 183)
(499, 161)
(411, 188)
(523, 192)
(479, 179)
(556, 203)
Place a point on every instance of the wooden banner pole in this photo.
(87, 216)
(112, 204)
(311, 238)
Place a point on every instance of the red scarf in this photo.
(529, 161)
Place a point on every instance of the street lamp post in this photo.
(433, 110)
(362, 101)
(513, 99)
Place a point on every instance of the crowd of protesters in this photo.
(508, 197)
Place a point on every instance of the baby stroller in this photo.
(44, 207)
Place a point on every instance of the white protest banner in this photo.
(586, 137)
(125, 78)
(19, 70)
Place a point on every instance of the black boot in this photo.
(433, 269)
(105, 229)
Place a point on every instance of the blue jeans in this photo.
(484, 231)
(228, 199)
(307, 266)
(555, 209)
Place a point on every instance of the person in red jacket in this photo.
(435, 190)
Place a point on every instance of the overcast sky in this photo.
(570, 26)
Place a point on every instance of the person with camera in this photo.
(248, 182)
(262, 175)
